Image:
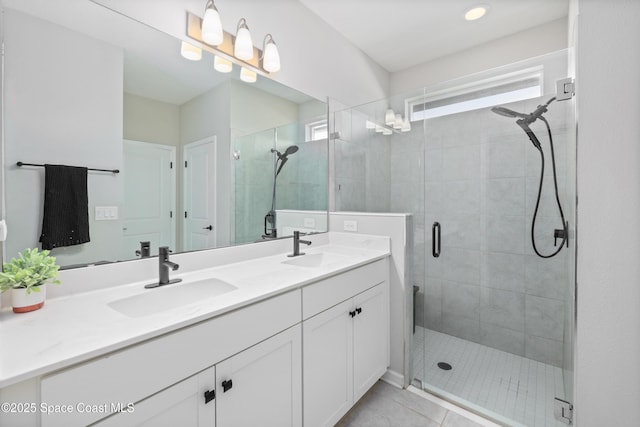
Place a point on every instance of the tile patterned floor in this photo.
(387, 406)
(516, 390)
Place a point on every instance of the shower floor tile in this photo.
(511, 386)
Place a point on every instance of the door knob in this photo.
(208, 228)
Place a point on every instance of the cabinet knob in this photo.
(209, 395)
(226, 385)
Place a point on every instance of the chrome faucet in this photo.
(296, 244)
(145, 250)
(163, 268)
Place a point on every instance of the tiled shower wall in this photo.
(476, 173)
(488, 286)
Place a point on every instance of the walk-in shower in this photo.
(494, 320)
(270, 229)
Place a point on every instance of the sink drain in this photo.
(444, 366)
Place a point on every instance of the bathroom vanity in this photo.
(269, 340)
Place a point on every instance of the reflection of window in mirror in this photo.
(315, 131)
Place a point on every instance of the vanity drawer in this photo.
(130, 375)
(326, 293)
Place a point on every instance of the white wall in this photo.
(148, 120)
(608, 271)
(536, 41)
(316, 59)
(63, 105)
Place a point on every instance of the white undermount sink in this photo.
(314, 260)
(167, 297)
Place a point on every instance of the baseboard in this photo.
(393, 378)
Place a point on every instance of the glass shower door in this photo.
(497, 317)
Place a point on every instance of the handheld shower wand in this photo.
(524, 120)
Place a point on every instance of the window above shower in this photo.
(500, 89)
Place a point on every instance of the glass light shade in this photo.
(386, 131)
(246, 75)
(212, 32)
(379, 128)
(389, 117)
(369, 125)
(406, 125)
(222, 65)
(397, 124)
(190, 52)
(243, 47)
(271, 61)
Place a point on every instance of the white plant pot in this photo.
(23, 302)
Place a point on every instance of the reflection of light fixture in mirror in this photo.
(397, 123)
(212, 32)
(190, 52)
(369, 125)
(246, 75)
(271, 57)
(386, 131)
(243, 47)
(379, 128)
(222, 65)
(389, 117)
(406, 125)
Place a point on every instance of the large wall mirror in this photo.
(199, 152)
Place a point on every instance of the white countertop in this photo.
(78, 327)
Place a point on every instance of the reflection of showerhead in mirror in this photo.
(283, 157)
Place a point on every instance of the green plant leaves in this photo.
(30, 270)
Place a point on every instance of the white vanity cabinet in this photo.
(345, 347)
(260, 386)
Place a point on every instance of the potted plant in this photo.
(26, 276)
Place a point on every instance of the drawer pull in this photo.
(226, 385)
(352, 313)
(358, 310)
(209, 395)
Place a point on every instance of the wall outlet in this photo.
(309, 223)
(350, 226)
(106, 213)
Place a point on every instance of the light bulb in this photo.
(243, 47)
(246, 75)
(212, 32)
(271, 61)
(397, 123)
(222, 65)
(406, 125)
(190, 52)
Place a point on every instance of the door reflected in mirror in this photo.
(194, 146)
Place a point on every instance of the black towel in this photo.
(65, 221)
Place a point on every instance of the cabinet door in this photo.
(262, 386)
(182, 404)
(328, 365)
(370, 338)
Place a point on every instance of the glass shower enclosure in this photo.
(494, 320)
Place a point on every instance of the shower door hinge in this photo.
(563, 411)
(565, 89)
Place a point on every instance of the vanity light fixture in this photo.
(243, 47)
(476, 12)
(369, 124)
(190, 52)
(271, 57)
(379, 128)
(212, 32)
(386, 131)
(389, 117)
(397, 124)
(247, 75)
(222, 65)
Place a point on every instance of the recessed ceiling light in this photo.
(476, 12)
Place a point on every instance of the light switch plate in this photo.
(106, 213)
(309, 223)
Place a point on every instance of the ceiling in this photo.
(399, 34)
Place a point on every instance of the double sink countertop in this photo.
(77, 327)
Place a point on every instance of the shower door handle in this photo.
(435, 239)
